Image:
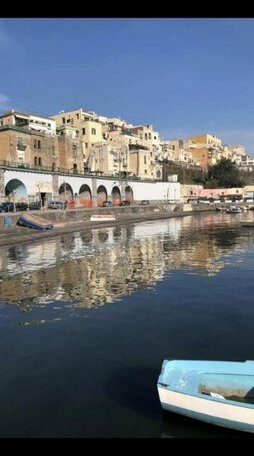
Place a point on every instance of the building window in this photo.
(77, 115)
(53, 166)
(75, 167)
(39, 161)
(145, 171)
(68, 121)
(74, 151)
(39, 144)
(35, 160)
(63, 119)
(145, 135)
(83, 131)
(35, 143)
(144, 159)
(93, 131)
(149, 135)
(86, 145)
(21, 145)
(53, 151)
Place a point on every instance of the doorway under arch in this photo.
(129, 194)
(16, 189)
(101, 195)
(65, 192)
(85, 196)
(116, 196)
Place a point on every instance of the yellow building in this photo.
(89, 125)
(200, 155)
(206, 139)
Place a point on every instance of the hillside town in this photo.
(80, 141)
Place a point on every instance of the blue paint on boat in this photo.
(37, 223)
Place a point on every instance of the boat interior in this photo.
(233, 387)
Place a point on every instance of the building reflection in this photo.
(103, 265)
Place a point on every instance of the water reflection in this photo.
(103, 265)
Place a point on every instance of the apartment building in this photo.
(32, 122)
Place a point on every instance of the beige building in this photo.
(145, 133)
(109, 159)
(70, 151)
(31, 148)
(28, 149)
(137, 152)
(88, 125)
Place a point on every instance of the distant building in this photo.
(32, 122)
(206, 138)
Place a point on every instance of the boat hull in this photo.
(217, 392)
(37, 223)
(219, 414)
(102, 218)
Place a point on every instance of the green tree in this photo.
(224, 174)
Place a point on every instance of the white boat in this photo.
(102, 218)
(233, 210)
(217, 392)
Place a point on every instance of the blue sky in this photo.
(184, 76)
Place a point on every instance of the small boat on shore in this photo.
(102, 218)
(233, 210)
(217, 392)
(35, 222)
(247, 224)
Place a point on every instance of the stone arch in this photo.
(65, 192)
(116, 196)
(101, 195)
(85, 196)
(129, 194)
(17, 190)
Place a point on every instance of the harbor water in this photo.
(87, 319)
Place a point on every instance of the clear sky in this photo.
(183, 76)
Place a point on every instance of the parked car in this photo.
(21, 206)
(34, 205)
(6, 207)
(125, 203)
(56, 205)
(145, 203)
(107, 203)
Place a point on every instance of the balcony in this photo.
(21, 147)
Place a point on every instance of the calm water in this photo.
(87, 319)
